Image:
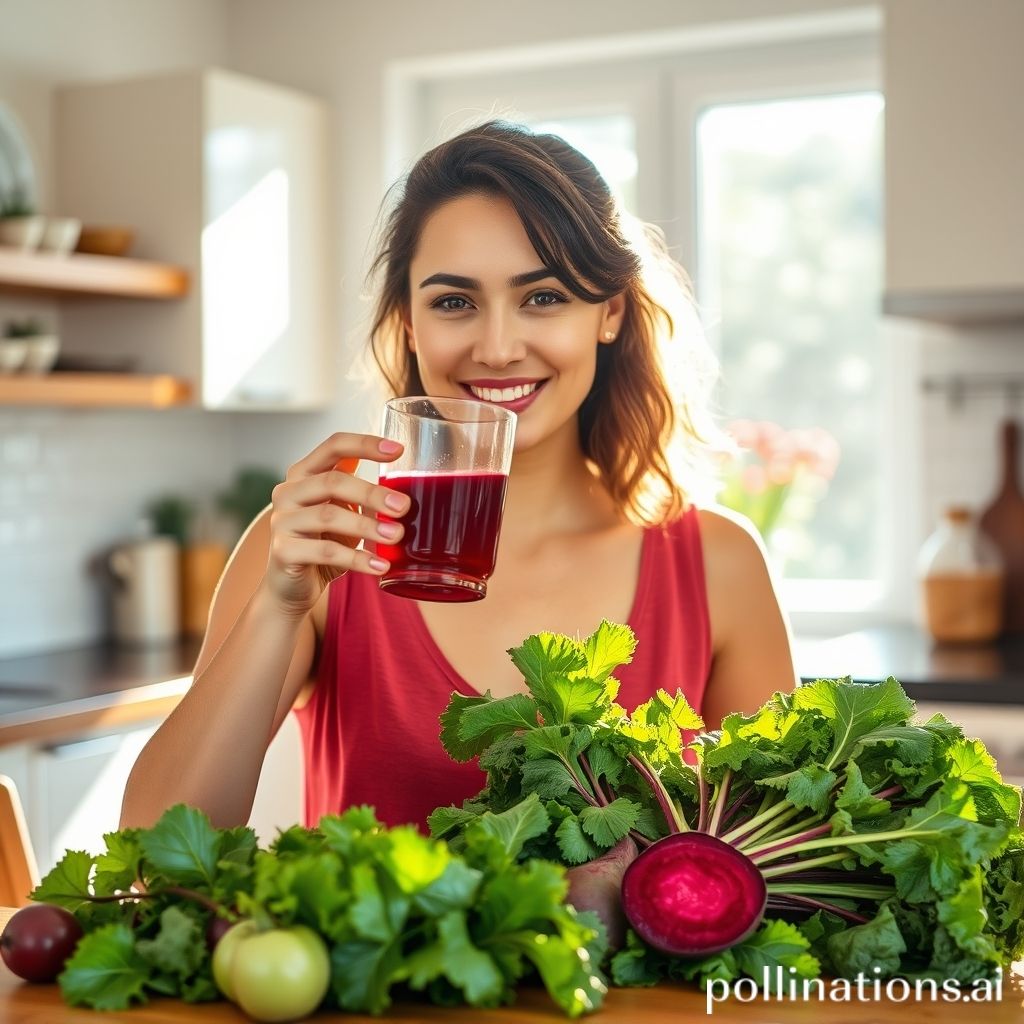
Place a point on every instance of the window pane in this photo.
(790, 269)
(609, 140)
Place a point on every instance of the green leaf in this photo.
(454, 890)
(854, 709)
(105, 972)
(809, 786)
(574, 844)
(378, 910)
(494, 717)
(362, 974)
(574, 700)
(605, 761)
(970, 763)
(412, 860)
(515, 826)
(572, 981)
(541, 658)
(67, 883)
(466, 966)
(863, 947)
(776, 944)
(517, 899)
(608, 647)
(451, 727)
(857, 799)
(547, 779)
(117, 868)
(965, 918)
(183, 847)
(607, 825)
(178, 948)
(446, 820)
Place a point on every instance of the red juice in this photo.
(451, 535)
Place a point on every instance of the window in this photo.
(760, 157)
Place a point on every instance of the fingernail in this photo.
(395, 502)
(379, 564)
(389, 447)
(387, 529)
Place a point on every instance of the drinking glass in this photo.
(454, 468)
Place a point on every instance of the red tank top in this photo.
(370, 732)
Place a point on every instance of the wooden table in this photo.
(21, 1003)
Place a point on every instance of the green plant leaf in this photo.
(183, 846)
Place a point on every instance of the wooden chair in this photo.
(18, 872)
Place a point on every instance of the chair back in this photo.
(18, 872)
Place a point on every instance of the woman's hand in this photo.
(320, 513)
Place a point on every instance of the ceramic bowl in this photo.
(105, 241)
(42, 353)
(61, 235)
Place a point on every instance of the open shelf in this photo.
(95, 390)
(79, 274)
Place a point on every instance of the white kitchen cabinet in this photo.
(954, 159)
(227, 176)
(72, 790)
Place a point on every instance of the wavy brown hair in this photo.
(630, 418)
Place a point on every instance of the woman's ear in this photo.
(611, 320)
(410, 338)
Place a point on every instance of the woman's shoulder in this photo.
(729, 537)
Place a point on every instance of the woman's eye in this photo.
(546, 298)
(450, 303)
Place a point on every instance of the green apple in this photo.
(224, 955)
(281, 974)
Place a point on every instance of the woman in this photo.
(504, 265)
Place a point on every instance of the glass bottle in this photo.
(962, 578)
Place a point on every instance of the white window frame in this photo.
(665, 80)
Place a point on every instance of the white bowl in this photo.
(42, 353)
(12, 354)
(61, 235)
(23, 233)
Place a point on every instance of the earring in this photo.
(609, 335)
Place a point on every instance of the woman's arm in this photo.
(253, 663)
(752, 648)
(261, 641)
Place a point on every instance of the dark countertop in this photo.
(45, 696)
(54, 695)
(990, 674)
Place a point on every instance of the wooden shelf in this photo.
(95, 390)
(79, 274)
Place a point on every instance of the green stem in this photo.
(673, 815)
(720, 802)
(743, 831)
(795, 867)
(861, 840)
(867, 892)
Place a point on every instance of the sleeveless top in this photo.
(371, 730)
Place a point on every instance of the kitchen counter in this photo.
(49, 696)
(984, 674)
(665, 1004)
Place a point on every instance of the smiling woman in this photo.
(508, 274)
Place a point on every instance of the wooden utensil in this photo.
(1003, 521)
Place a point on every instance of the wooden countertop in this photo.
(51, 696)
(21, 1003)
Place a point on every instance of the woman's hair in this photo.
(638, 432)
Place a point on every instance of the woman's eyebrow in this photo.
(472, 284)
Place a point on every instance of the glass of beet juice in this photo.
(454, 468)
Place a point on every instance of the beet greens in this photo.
(839, 834)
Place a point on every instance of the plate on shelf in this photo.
(17, 171)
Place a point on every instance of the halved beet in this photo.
(691, 895)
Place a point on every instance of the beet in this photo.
(691, 895)
(597, 886)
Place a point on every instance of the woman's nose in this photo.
(499, 342)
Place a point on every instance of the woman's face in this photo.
(487, 319)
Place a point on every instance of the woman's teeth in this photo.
(504, 394)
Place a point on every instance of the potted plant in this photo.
(20, 226)
(31, 347)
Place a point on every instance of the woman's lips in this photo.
(516, 405)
